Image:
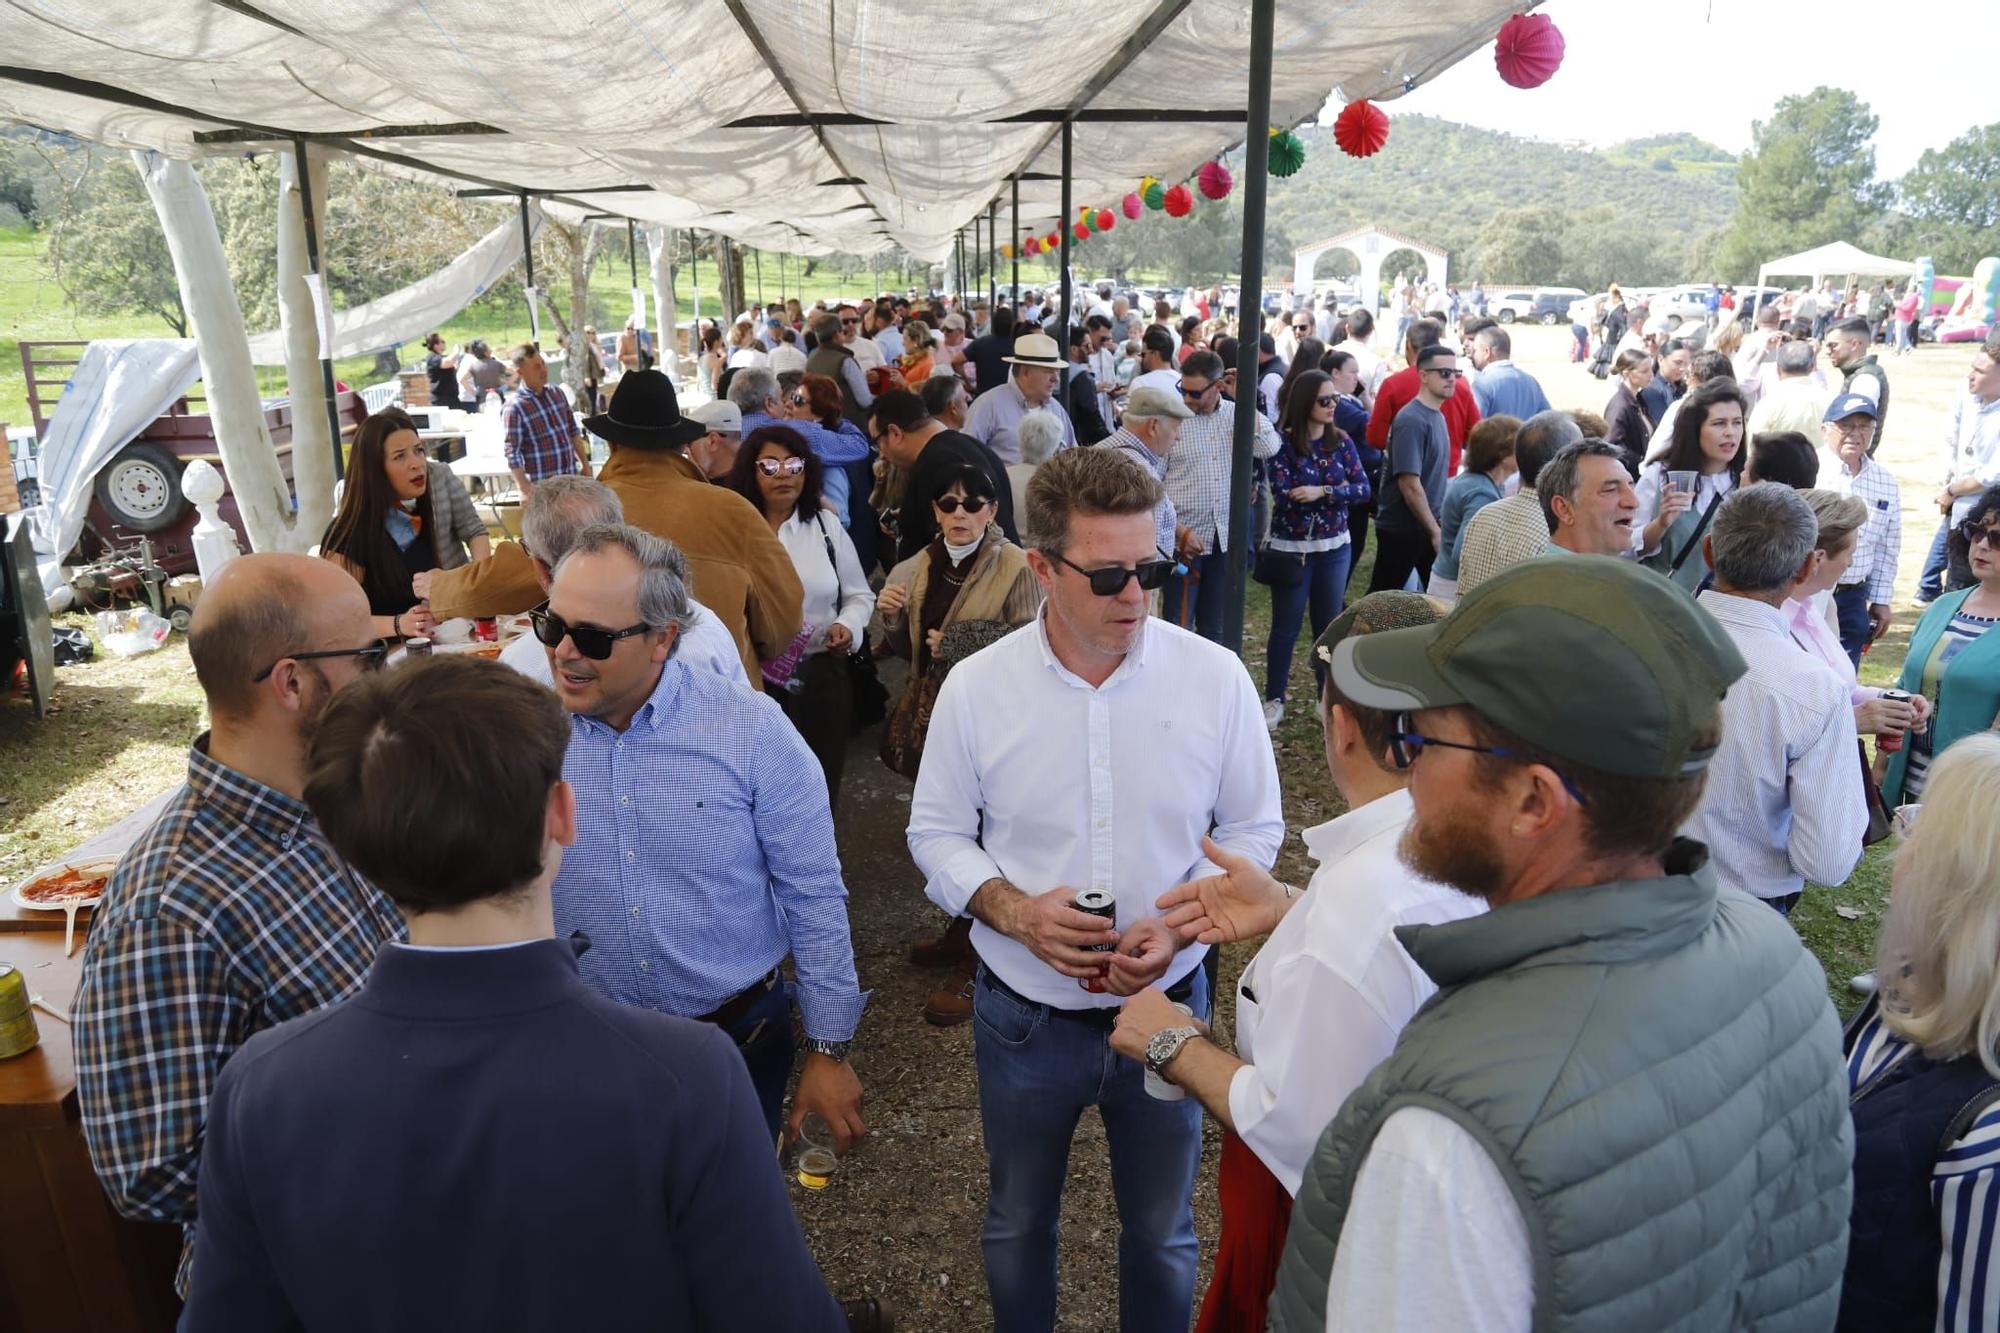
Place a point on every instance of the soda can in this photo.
(18, 1033)
(1889, 744)
(1102, 903)
(417, 647)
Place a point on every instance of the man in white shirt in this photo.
(1156, 361)
(559, 509)
(1784, 803)
(1972, 463)
(1796, 400)
(1863, 599)
(1144, 739)
(1337, 953)
(1360, 328)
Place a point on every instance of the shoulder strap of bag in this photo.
(820, 519)
(1694, 538)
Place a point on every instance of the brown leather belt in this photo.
(725, 1015)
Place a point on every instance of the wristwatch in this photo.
(832, 1050)
(1165, 1045)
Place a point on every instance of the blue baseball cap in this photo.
(1847, 405)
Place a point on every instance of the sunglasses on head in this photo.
(594, 643)
(371, 656)
(951, 504)
(791, 467)
(1111, 581)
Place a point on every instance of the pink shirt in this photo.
(1811, 632)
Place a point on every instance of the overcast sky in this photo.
(1711, 67)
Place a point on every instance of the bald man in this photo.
(231, 914)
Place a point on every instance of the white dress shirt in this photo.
(707, 644)
(1974, 439)
(836, 590)
(1783, 803)
(1166, 380)
(1335, 953)
(785, 358)
(1033, 776)
(867, 354)
(1373, 368)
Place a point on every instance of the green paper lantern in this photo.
(1155, 196)
(1288, 154)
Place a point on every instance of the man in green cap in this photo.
(1332, 951)
(1624, 1107)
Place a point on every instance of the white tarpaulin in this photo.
(118, 388)
(687, 113)
(418, 308)
(1837, 259)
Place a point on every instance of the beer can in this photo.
(1889, 744)
(18, 1033)
(417, 647)
(1102, 903)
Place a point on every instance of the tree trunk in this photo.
(582, 258)
(730, 256)
(236, 413)
(660, 241)
(312, 436)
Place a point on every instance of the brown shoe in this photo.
(951, 1003)
(865, 1314)
(947, 950)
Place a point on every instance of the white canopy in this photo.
(846, 125)
(1835, 259)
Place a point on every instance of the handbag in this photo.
(1279, 569)
(1879, 827)
(910, 721)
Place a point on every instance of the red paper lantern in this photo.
(1080, 231)
(1053, 241)
(1105, 220)
(1032, 246)
(1361, 128)
(1214, 180)
(1134, 205)
(1529, 50)
(1179, 202)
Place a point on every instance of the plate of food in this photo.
(69, 888)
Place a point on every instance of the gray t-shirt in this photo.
(1418, 443)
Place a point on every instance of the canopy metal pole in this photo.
(528, 264)
(326, 295)
(1014, 228)
(632, 249)
(694, 267)
(1062, 230)
(992, 252)
(958, 251)
(781, 277)
(1249, 317)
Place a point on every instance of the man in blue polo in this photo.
(1498, 385)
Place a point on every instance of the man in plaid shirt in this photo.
(231, 914)
(540, 427)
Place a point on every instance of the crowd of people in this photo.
(469, 992)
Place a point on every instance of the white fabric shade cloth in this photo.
(589, 94)
(1835, 259)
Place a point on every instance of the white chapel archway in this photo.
(1371, 245)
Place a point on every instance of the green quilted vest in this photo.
(1656, 1071)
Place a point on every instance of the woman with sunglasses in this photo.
(777, 471)
(400, 515)
(1314, 478)
(1954, 657)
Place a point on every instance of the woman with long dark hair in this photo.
(1315, 476)
(400, 515)
(1308, 356)
(1679, 492)
(1625, 420)
(777, 471)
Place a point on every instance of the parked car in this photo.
(1688, 301)
(1551, 304)
(1508, 304)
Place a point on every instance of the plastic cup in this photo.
(1904, 819)
(814, 1160)
(1684, 481)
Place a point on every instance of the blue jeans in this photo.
(1325, 587)
(763, 1036)
(1850, 608)
(1038, 1070)
(1930, 586)
(1206, 617)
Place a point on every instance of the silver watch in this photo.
(1165, 1045)
(832, 1050)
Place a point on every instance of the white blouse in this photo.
(836, 589)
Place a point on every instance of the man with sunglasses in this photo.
(1395, 392)
(231, 913)
(1197, 481)
(1144, 738)
(1414, 474)
(1626, 1103)
(705, 852)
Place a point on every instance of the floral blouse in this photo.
(1316, 525)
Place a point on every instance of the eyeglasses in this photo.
(791, 467)
(951, 504)
(372, 655)
(797, 400)
(594, 643)
(1327, 401)
(1450, 373)
(1405, 745)
(1301, 328)
(1111, 581)
(850, 323)
(1990, 534)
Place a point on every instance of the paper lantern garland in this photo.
(1179, 201)
(1361, 128)
(1154, 195)
(1214, 180)
(1032, 246)
(1053, 241)
(1105, 219)
(1080, 231)
(1006, 250)
(1133, 205)
(1529, 50)
(1287, 153)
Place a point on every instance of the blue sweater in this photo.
(475, 1139)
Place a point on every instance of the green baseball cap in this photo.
(1591, 659)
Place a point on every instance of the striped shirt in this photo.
(1965, 1188)
(704, 855)
(1881, 539)
(1959, 634)
(1198, 470)
(230, 915)
(541, 433)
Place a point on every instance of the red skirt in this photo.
(1256, 1211)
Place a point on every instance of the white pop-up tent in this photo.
(1836, 259)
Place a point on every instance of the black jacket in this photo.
(1080, 401)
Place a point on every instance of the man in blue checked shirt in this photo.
(705, 849)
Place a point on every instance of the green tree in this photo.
(1808, 178)
(1521, 245)
(1951, 200)
(107, 254)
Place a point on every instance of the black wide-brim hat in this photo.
(645, 412)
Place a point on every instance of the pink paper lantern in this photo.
(1529, 50)
(1214, 180)
(1133, 206)
(1105, 219)
(1179, 202)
